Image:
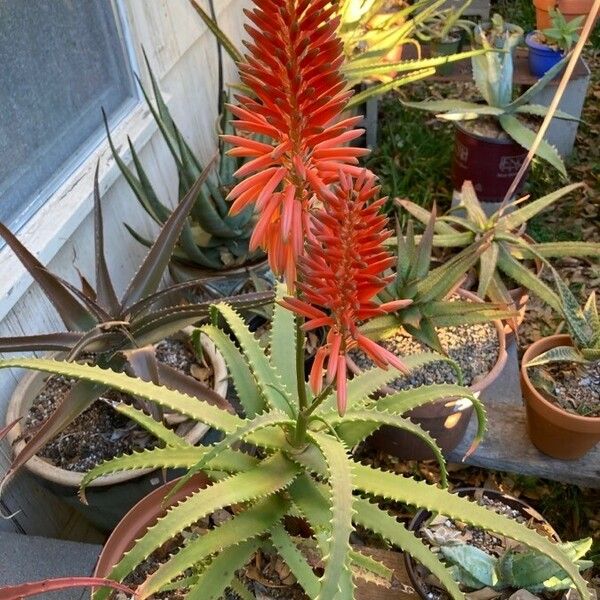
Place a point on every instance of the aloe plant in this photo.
(439, 26)
(529, 570)
(508, 248)
(431, 290)
(311, 475)
(493, 77)
(583, 324)
(117, 331)
(563, 34)
(369, 33)
(212, 239)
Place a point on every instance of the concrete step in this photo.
(25, 558)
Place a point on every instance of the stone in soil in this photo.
(474, 347)
(574, 388)
(99, 433)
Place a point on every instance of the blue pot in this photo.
(541, 57)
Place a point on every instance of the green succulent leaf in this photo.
(171, 457)
(558, 354)
(380, 522)
(487, 267)
(267, 378)
(418, 493)
(295, 560)
(541, 111)
(282, 335)
(250, 523)
(241, 375)
(339, 472)
(218, 575)
(525, 137)
(520, 216)
(269, 477)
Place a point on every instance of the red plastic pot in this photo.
(489, 163)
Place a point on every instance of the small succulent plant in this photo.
(563, 34)
(493, 77)
(499, 34)
(508, 248)
(431, 289)
(440, 25)
(476, 569)
(117, 331)
(583, 324)
(212, 240)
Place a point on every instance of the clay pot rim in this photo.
(140, 517)
(49, 472)
(534, 350)
(489, 377)
(410, 563)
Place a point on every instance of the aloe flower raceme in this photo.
(293, 70)
(339, 277)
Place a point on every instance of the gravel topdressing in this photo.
(474, 347)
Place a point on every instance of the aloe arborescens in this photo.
(304, 467)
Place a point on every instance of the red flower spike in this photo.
(293, 70)
(339, 276)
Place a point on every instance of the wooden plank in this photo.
(506, 446)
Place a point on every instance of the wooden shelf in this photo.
(506, 445)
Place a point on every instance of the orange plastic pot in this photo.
(569, 8)
(552, 430)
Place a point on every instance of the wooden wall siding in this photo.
(183, 55)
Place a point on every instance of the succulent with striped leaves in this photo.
(505, 257)
(312, 475)
(583, 325)
(432, 291)
(211, 240)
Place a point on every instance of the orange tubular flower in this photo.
(293, 70)
(340, 274)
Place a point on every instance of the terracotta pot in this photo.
(140, 518)
(527, 511)
(569, 8)
(553, 430)
(491, 164)
(446, 420)
(109, 497)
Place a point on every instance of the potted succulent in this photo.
(214, 246)
(492, 138)
(499, 34)
(112, 333)
(504, 264)
(441, 318)
(491, 568)
(571, 9)
(444, 31)
(331, 252)
(560, 377)
(548, 46)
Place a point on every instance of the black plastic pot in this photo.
(471, 492)
(446, 47)
(490, 164)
